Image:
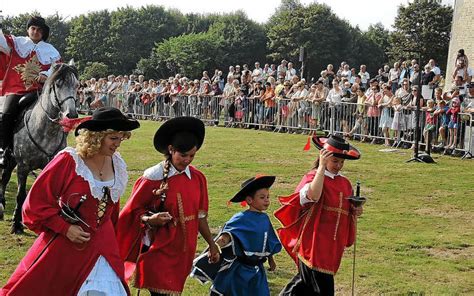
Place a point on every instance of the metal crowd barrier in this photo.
(304, 116)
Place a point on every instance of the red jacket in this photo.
(24, 63)
(64, 266)
(166, 265)
(317, 233)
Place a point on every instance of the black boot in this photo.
(8, 124)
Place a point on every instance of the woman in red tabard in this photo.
(77, 256)
(158, 227)
(318, 220)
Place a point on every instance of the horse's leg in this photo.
(17, 226)
(6, 175)
(2, 196)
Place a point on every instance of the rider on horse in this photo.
(28, 65)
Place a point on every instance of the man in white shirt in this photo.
(257, 73)
(436, 70)
(290, 72)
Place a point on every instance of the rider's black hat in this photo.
(39, 22)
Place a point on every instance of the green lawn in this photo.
(416, 235)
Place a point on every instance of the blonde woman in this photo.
(73, 206)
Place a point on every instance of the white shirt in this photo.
(364, 77)
(436, 70)
(334, 96)
(156, 172)
(290, 73)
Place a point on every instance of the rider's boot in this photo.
(8, 122)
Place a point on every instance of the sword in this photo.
(67, 217)
(357, 201)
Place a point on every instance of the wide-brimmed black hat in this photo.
(164, 135)
(251, 185)
(108, 118)
(39, 22)
(338, 146)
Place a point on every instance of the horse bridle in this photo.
(57, 106)
(54, 120)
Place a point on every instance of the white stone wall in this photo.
(462, 35)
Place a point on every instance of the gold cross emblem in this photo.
(29, 71)
(339, 211)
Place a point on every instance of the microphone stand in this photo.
(425, 158)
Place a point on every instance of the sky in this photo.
(361, 12)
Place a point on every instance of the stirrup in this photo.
(4, 155)
(3, 159)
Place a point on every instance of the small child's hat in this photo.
(338, 146)
(251, 185)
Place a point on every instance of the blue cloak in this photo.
(240, 270)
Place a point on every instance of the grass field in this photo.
(416, 236)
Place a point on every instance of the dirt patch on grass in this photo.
(455, 253)
(443, 212)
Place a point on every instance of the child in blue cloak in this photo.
(247, 241)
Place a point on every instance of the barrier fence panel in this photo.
(389, 126)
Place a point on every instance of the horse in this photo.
(39, 135)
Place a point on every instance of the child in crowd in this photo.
(430, 122)
(398, 123)
(360, 114)
(247, 241)
(440, 113)
(239, 106)
(453, 112)
(318, 220)
(438, 94)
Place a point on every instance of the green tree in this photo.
(95, 70)
(134, 33)
(369, 47)
(325, 37)
(199, 23)
(59, 29)
(88, 40)
(425, 26)
(241, 39)
(186, 54)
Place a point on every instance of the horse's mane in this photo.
(61, 73)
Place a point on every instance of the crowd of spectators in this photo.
(375, 108)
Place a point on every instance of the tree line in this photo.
(160, 42)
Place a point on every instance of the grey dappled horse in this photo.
(39, 135)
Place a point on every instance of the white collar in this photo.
(45, 52)
(331, 175)
(155, 173)
(121, 175)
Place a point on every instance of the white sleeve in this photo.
(3, 44)
(48, 72)
(304, 195)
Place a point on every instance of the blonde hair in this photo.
(88, 142)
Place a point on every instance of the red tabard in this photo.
(64, 266)
(19, 73)
(317, 233)
(166, 265)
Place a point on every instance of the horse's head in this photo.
(61, 88)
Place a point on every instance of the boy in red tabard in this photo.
(318, 220)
